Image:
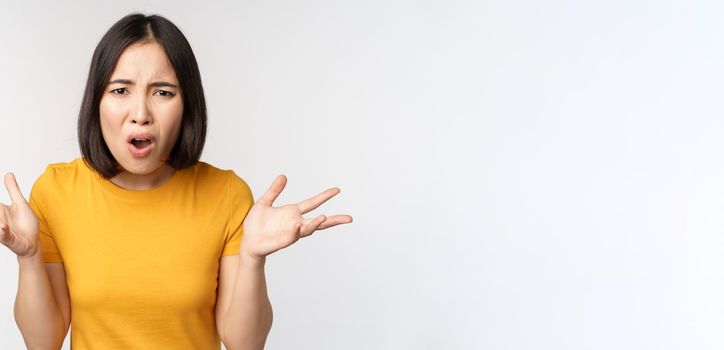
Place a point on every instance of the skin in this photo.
(143, 95)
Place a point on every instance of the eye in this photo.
(164, 93)
(119, 91)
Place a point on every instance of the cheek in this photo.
(111, 110)
(174, 114)
(110, 113)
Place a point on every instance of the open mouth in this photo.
(140, 143)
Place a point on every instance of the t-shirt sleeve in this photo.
(240, 200)
(40, 193)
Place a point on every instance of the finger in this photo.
(294, 236)
(12, 185)
(310, 204)
(274, 190)
(335, 220)
(6, 237)
(4, 212)
(310, 227)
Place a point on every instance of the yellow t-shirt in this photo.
(141, 266)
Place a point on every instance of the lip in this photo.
(140, 153)
(144, 135)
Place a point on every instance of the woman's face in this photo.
(142, 101)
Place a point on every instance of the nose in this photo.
(142, 114)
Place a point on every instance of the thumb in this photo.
(12, 185)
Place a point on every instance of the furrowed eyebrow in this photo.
(154, 84)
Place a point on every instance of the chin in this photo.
(141, 166)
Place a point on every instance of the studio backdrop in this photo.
(522, 174)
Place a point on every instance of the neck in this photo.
(140, 182)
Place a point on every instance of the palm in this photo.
(18, 223)
(268, 229)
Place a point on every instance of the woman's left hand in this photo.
(268, 229)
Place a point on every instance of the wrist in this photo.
(31, 258)
(246, 259)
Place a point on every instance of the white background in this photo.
(522, 174)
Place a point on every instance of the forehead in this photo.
(144, 61)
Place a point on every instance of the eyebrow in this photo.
(130, 82)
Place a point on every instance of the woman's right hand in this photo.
(18, 223)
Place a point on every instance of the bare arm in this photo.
(248, 317)
(245, 310)
(42, 293)
(41, 321)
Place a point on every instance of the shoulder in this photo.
(61, 172)
(227, 176)
(56, 179)
(70, 168)
(234, 185)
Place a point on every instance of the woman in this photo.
(138, 244)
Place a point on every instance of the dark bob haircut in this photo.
(129, 30)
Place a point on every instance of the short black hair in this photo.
(128, 30)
